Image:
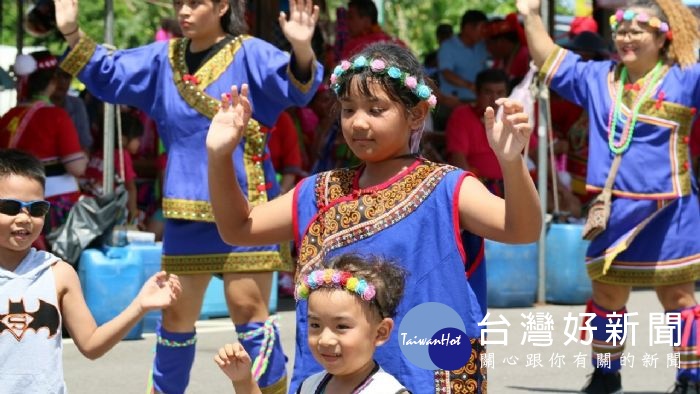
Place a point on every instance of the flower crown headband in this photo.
(331, 278)
(380, 66)
(641, 17)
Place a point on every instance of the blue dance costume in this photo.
(156, 79)
(413, 219)
(651, 238)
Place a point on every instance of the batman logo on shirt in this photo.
(18, 320)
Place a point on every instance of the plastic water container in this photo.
(110, 281)
(214, 304)
(566, 280)
(150, 254)
(511, 274)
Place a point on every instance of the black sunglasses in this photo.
(37, 208)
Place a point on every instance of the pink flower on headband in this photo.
(643, 17)
(333, 78)
(369, 293)
(411, 82)
(377, 65)
(345, 65)
(619, 14)
(432, 100)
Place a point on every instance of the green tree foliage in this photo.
(415, 21)
(135, 23)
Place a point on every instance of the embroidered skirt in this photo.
(648, 243)
(191, 247)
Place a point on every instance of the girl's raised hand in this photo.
(229, 124)
(159, 291)
(66, 15)
(509, 135)
(299, 29)
(234, 361)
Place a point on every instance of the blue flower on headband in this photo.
(394, 72)
(361, 286)
(312, 282)
(628, 15)
(423, 91)
(338, 71)
(360, 62)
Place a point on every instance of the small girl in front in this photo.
(350, 301)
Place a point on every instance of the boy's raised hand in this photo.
(508, 135)
(159, 291)
(229, 124)
(299, 29)
(235, 362)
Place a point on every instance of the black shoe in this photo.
(604, 383)
(686, 387)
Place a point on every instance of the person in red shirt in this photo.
(132, 131)
(47, 132)
(283, 142)
(363, 27)
(467, 145)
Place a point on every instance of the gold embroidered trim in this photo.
(225, 262)
(193, 93)
(551, 65)
(79, 56)
(253, 152)
(471, 378)
(303, 87)
(645, 277)
(679, 156)
(279, 387)
(175, 208)
(359, 217)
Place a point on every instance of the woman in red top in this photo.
(38, 127)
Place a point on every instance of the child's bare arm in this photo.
(235, 362)
(92, 341)
(517, 218)
(239, 223)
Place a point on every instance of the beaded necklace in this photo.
(623, 144)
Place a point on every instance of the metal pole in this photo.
(108, 135)
(542, 174)
(20, 26)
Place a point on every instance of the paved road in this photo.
(125, 368)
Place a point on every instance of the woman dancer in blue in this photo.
(640, 112)
(177, 83)
(395, 204)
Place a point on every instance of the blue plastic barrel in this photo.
(566, 281)
(214, 304)
(150, 254)
(511, 274)
(110, 282)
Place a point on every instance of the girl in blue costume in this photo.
(395, 204)
(640, 110)
(178, 83)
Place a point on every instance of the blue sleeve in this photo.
(573, 78)
(272, 82)
(124, 76)
(445, 60)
